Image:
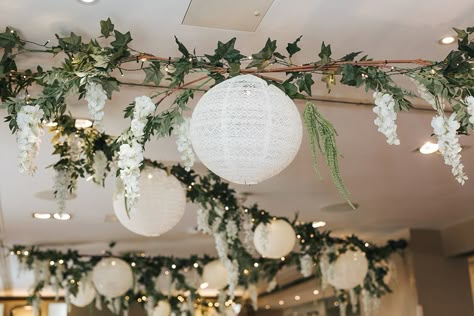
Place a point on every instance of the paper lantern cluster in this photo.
(349, 270)
(112, 277)
(245, 130)
(275, 239)
(160, 207)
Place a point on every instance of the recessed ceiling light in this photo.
(267, 307)
(204, 285)
(319, 224)
(281, 302)
(315, 292)
(62, 216)
(447, 40)
(297, 298)
(88, 1)
(82, 123)
(429, 148)
(42, 215)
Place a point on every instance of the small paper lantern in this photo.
(349, 270)
(85, 294)
(164, 284)
(163, 308)
(245, 130)
(160, 207)
(192, 278)
(112, 277)
(215, 275)
(274, 240)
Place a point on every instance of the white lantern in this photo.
(192, 278)
(245, 130)
(274, 240)
(163, 308)
(164, 283)
(349, 270)
(214, 275)
(112, 277)
(85, 294)
(160, 207)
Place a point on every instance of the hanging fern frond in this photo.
(322, 137)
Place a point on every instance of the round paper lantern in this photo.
(160, 207)
(112, 277)
(192, 278)
(163, 308)
(164, 283)
(85, 294)
(215, 275)
(349, 270)
(245, 130)
(274, 240)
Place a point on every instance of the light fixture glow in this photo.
(319, 224)
(88, 1)
(82, 123)
(204, 285)
(41, 215)
(447, 40)
(315, 292)
(429, 148)
(297, 298)
(62, 216)
(267, 307)
(281, 302)
(51, 124)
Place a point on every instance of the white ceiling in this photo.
(395, 187)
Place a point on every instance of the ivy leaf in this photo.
(110, 85)
(182, 49)
(72, 43)
(305, 83)
(7, 40)
(121, 40)
(289, 88)
(225, 51)
(351, 75)
(350, 56)
(153, 74)
(262, 58)
(293, 48)
(106, 27)
(278, 55)
(325, 54)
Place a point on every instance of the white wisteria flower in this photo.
(203, 221)
(232, 267)
(96, 98)
(144, 107)
(425, 94)
(253, 293)
(99, 166)
(307, 265)
(448, 141)
(272, 285)
(470, 108)
(28, 137)
(130, 160)
(62, 178)
(232, 231)
(386, 117)
(183, 141)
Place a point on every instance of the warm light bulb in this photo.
(319, 224)
(429, 148)
(447, 40)
(62, 216)
(42, 215)
(82, 123)
(204, 285)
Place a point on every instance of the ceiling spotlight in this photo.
(82, 123)
(297, 298)
(319, 224)
(447, 40)
(88, 1)
(62, 216)
(429, 148)
(315, 292)
(204, 285)
(281, 302)
(41, 215)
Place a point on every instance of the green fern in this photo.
(322, 137)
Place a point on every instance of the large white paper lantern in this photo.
(192, 278)
(275, 239)
(163, 308)
(85, 294)
(160, 207)
(214, 275)
(349, 270)
(245, 130)
(164, 283)
(112, 277)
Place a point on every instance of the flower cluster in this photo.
(448, 141)
(144, 107)
(130, 160)
(183, 141)
(99, 166)
(306, 265)
(96, 97)
(62, 178)
(386, 117)
(425, 94)
(470, 108)
(28, 137)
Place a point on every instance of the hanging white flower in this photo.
(272, 285)
(129, 162)
(221, 245)
(353, 299)
(253, 293)
(448, 141)
(470, 108)
(99, 167)
(203, 221)
(343, 308)
(247, 226)
(28, 137)
(232, 231)
(183, 141)
(62, 178)
(96, 98)
(232, 267)
(386, 117)
(425, 94)
(306, 264)
(144, 107)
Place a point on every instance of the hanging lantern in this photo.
(163, 308)
(112, 277)
(214, 275)
(164, 283)
(85, 293)
(275, 239)
(245, 130)
(192, 278)
(349, 270)
(160, 207)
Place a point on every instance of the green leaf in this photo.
(7, 40)
(350, 56)
(325, 54)
(121, 40)
(110, 85)
(352, 75)
(153, 74)
(263, 58)
(225, 51)
(106, 27)
(293, 48)
(182, 49)
(305, 83)
(72, 43)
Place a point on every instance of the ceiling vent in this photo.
(241, 15)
